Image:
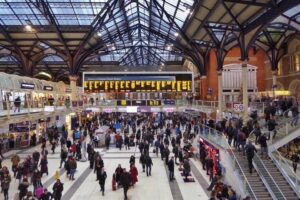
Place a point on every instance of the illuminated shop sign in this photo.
(48, 88)
(28, 86)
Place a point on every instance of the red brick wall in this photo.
(233, 56)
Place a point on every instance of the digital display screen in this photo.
(123, 103)
(153, 103)
(131, 109)
(108, 83)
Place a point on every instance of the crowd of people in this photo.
(170, 136)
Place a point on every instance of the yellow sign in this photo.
(137, 86)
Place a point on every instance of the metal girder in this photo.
(271, 14)
(251, 3)
(46, 9)
(205, 19)
(97, 22)
(234, 18)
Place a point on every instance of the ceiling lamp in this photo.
(43, 45)
(28, 27)
(44, 74)
(99, 34)
(176, 34)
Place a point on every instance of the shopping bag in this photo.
(39, 192)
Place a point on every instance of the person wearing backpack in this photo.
(295, 115)
(250, 151)
(63, 156)
(58, 188)
(241, 137)
(271, 127)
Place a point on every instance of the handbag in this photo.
(39, 192)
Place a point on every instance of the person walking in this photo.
(250, 150)
(44, 165)
(102, 178)
(72, 166)
(167, 154)
(17, 104)
(36, 157)
(295, 115)
(263, 145)
(91, 158)
(148, 162)
(5, 182)
(295, 159)
(58, 188)
(63, 156)
(186, 169)
(126, 142)
(36, 180)
(125, 181)
(23, 188)
(272, 127)
(133, 174)
(15, 160)
(142, 161)
(162, 150)
(47, 195)
(132, 160)
(171, 168)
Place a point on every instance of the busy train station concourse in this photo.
(149, 99)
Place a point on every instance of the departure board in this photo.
(99, 83)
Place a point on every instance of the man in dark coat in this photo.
(171, 168)
(125, 181)
(148, 162)
(58, 188)
(102, 178)
(250, 150)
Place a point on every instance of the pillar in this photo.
(220, 95)
(274, 82)
(245, 90)
(73, 84)
(203, 87)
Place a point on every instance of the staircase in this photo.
(256, 184)
(285, 133)
(268, 179)
(281, 182)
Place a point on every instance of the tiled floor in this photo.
(85, 186)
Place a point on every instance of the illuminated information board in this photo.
(104, 83)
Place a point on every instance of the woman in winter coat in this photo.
(133, 174)
(102, 178)
(44, 165)
(36, 180)
(23, 188)
(5, 182)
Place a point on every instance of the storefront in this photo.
(212, 152)
(22, 135)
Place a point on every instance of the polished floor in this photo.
(85, 185)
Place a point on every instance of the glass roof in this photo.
(144, 28)
(10, 59)
(294, 14)
(52, 58)
(135, 32)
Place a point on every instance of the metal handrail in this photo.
(235, 160)
(266, 182)
(295, 184)
(243, 174)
